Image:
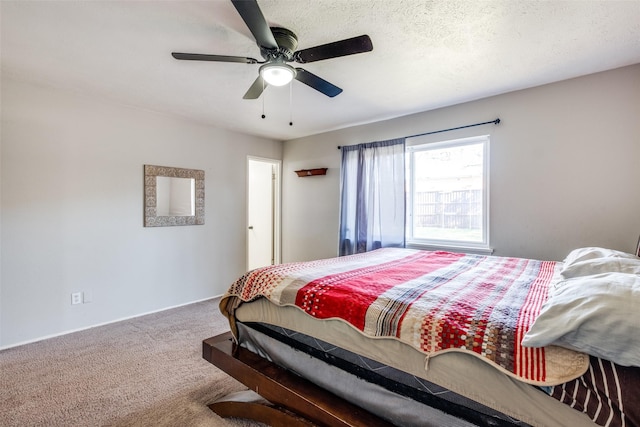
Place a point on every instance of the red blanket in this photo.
(433, 301)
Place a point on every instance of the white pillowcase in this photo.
(597, 314)
(582, 254)
(593, 260)
(601, 265)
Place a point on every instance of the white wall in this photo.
(564, 168)
(72, 211)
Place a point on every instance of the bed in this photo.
(415, 338)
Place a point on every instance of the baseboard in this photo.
(46, 337)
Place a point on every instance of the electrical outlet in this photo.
(76, 298)
(87, 297)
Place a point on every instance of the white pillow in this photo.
(583, 254)
(598, 315)
(601, 265)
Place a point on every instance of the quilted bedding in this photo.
(437, 302)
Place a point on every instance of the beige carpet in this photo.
(138, 372)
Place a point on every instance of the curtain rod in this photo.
(495, 122)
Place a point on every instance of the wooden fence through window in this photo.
(452, 209)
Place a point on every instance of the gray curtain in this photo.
(372, 204)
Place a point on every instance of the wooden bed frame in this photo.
(281, 397)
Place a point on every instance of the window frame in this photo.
(417, 144)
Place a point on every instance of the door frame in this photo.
(276, 207)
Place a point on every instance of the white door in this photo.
(263, 212)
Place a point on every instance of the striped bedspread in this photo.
(436, 302)
(608, 393)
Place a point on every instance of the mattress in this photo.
(459, 373)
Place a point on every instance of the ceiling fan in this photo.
(277, 47)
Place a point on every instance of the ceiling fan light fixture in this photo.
(278, 73)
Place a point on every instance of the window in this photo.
(448, 193)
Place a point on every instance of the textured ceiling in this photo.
(427, 54)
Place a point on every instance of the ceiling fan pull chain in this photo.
(263, 116)
(291, 103)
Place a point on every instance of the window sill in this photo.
(481, 250)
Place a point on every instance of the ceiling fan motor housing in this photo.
(287, 45)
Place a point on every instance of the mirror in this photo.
(173, 196)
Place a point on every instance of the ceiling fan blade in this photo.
(253, 17)
(317, 83)
(218, 58)
(256, 89)
(345, 47)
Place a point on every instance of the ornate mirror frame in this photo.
(151, 219)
